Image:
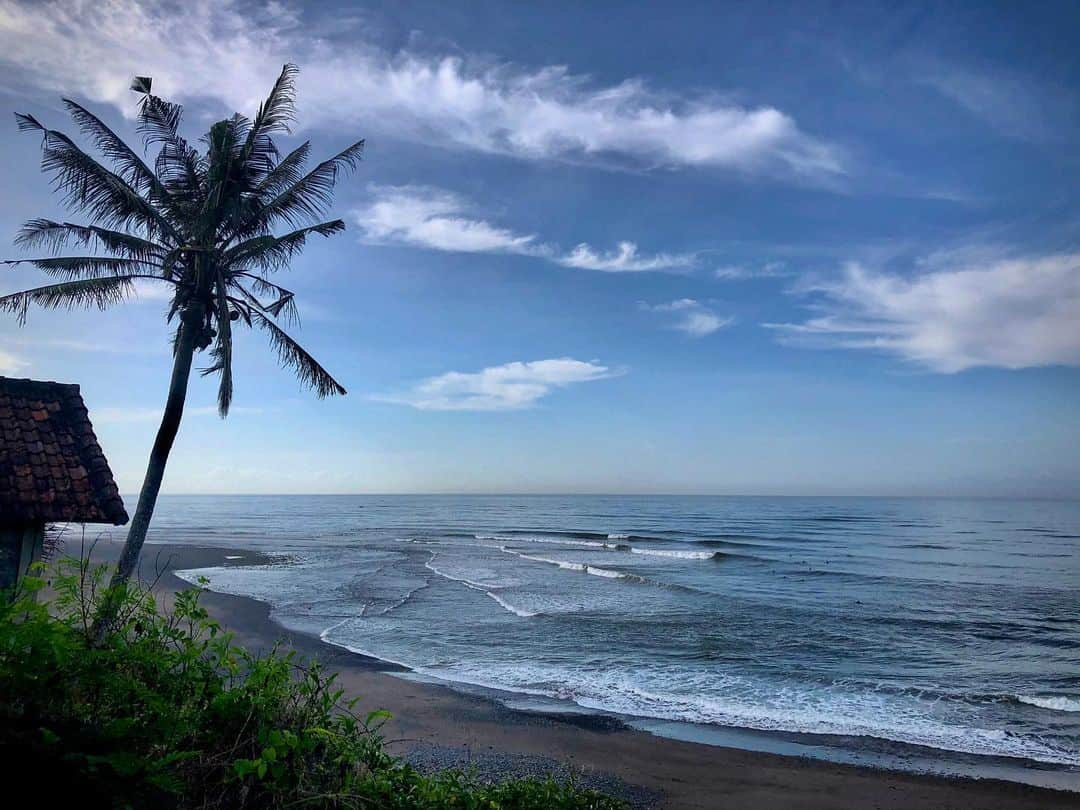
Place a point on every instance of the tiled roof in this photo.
(51, 466)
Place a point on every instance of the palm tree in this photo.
(200, 222)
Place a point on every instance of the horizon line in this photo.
(526, 494)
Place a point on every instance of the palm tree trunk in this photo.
(155, 468)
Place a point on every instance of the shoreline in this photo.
(438, 725)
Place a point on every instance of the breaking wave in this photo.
(525, 614)
(1057, 703)
(555, 541)
(678, 555)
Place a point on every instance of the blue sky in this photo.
(793, 249)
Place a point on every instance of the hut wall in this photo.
(20, 546)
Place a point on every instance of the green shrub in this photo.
(167, 711)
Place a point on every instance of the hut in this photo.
(52, 470)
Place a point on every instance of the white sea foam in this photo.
(1057, 703)
(679, 555)
(554, 541)
(403, 600)
(468, 583)
(234, 556)
(734, 701)
(618, 537)
(566, 565)
(323, 634)
(513, 609)
(362, 651)
(604, 572)
(488, 589)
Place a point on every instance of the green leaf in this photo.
(379, 716)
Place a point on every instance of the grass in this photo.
(167, 711)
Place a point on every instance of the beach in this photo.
(436, 726)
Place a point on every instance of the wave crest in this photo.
(1057, 703)
(678, 555)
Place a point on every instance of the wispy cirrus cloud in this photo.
(1014, 105)
(436, 219)
(1010, 313)
(509, 387)
(624, 259)
(691, 316)
(227, 53)
(742, 272)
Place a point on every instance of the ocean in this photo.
(940, 633)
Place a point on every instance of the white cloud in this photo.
(625, 259)
(1012, 104)
(436, 219)
(1015, 313)
(691, 316)
(739, 272)
(432, 218)
(733, 272)
(10, 364)
(699, 323)
(228, 54)
(508, 387)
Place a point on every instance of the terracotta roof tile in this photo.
(51, 466)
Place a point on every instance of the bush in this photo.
(166, 711)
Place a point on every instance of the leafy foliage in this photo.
(165, 710)
(200, 222)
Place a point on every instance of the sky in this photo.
(806, 248)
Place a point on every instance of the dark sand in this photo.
(435, 726)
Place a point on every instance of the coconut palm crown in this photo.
(201, 221)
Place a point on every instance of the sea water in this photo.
(948, 626)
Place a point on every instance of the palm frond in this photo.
(54, 235)
(73, 267)
(275, 114)
(242, 307)
(309, 197)
(278, 112)
(88, 292)
(222, 351)
(128, 164)
(159, 121)
(105, 197)
(292, 355)
(275, 252)
(289, 170)
(284, 303)
(177, 164)
(224, 143)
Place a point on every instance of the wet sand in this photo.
(435, 726)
